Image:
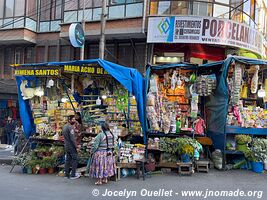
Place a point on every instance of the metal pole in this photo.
(102, 31)
(82, 47)
(83, 25)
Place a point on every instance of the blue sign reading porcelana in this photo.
(76, 35)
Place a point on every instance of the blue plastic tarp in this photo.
(130, 78)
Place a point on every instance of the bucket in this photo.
(257, 167)
(185, 158)
(24, 170)
(127, 172)
(29, 170)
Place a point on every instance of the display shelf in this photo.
(233, 152)
(241, 130)
(160, 134)
(167, 165)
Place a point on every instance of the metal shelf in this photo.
(241, 130)
(234, 152)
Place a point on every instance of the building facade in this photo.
(200, 31)
(37, 31)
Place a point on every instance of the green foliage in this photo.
(243, 139)
(258, 150)
(178, 145)
(122, 99)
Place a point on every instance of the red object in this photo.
(42, 171)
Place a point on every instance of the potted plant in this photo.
(242, 142)
(257, 154)
(187, 152)
(51, 165)
(43, 167)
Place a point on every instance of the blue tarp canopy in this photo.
(130, 78)
(217, 104)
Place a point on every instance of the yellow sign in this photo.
(37, 72)
(88, 69)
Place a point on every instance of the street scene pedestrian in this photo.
(70, 149)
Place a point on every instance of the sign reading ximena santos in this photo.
(204, 30)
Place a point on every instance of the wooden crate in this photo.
(202, 166)
(185, 168)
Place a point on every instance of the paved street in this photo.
(16, 185)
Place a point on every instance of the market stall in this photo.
(237, 109)
(98, 89)
(174, 113)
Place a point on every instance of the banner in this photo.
(38, 71)
(87, 69)
(204, 30)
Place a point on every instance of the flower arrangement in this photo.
(188, 149)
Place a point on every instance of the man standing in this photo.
(70, 149)
(9, 129)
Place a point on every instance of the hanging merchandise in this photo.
(255, 79)
(194, 106)
(29, 93)
(172, 108)
(244, 91)
(206, 84)
(237, 79)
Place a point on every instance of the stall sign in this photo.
(87, 69)
(204, 30)
(45, 71)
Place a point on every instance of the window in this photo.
(8, 60)
(19, 7)
(29, 57)
(202, 8)
(56, 9)
(70, 4)
(31, 9)
(9, 8)
(45, 10)
(19, 56)
(65, 53)
(87, 4)
(2, 8)
(221, 11)
(116, 2)
(97, 3)
(180, 8)
(110, 53)
(40, 54)
(52, 53)
(236, 10)
(139, 58)
(222, 1)
(93, 51)
(164, 7)
(125, 56)
(153, 7)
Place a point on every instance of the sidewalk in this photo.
(6, 154)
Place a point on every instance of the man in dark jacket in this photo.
(9, 130)
(70, 149)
